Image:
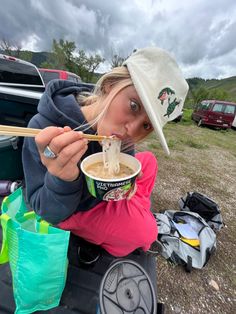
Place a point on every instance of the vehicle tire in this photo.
(178, 119)
(200, 123)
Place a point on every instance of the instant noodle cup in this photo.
(113, 189)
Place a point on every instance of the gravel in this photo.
(211, 171)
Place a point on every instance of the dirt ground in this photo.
(210, 170)
(205, 161)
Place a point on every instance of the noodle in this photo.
(111, 155)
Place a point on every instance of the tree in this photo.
(15, 50)
(200, 94)
(116, 58)
(87, 65)
(117, 61)
(6, 47)
(65, 57)
(9, 48)
(26, 55)
(62, 56)
(218, 93)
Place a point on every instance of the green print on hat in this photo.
(166, 94)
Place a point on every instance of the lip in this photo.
(119, 136)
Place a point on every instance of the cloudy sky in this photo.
(201, 34)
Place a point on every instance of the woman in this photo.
(130, 102)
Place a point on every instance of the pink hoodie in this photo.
(120, 227)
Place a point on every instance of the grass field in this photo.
(202, 160)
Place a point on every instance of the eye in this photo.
(134, 106)
(147, 126)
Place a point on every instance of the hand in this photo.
(140, 175)
(68, 145)
(134, 188)
(132, 192)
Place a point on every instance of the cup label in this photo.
(108, 191)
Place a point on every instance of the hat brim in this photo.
(147, 103)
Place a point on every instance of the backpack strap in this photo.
(189, 264)
(185, 202)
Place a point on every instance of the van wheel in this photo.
(199, 123)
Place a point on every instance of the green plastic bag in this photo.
(37, 254)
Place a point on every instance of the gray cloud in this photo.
(200, 34)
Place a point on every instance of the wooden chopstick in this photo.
(18, 131)
(30, 132)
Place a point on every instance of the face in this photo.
(125, 117)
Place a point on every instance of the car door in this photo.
(201, 111)
(229, 114)
(216, 116)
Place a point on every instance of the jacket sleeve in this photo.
(50, 197)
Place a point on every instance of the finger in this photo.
(46, 135)
(140, 174)
(58, 143)
(132, 192)
(67, 128)
(71, 151)
(68, 171)
(76, 158)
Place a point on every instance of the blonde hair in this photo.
(118, 78)
(112, 78)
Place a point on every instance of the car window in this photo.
(204, 105)
(48, 76)
(18, 73)
(218, 107)
(230, 109)
(73, 78)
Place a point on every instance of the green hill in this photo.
(221, 89)
(229, 84)
(39, 57)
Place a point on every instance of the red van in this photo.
(215, 113)
(50, 74)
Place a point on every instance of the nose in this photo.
(134, 127)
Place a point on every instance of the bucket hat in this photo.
(160, 85)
